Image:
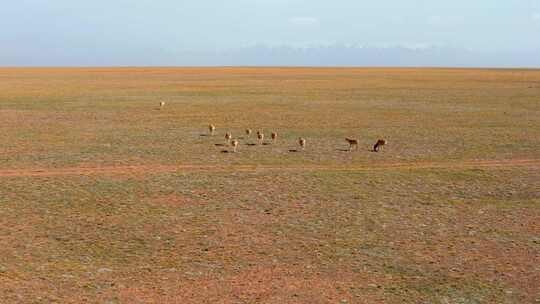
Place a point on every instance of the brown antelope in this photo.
(228, 136)
(234, 143)
(274, 136)
(302, 142)
(161, 104)
(212, 129)
(379, 144)
(248, 132)
(260, 137)
(352, 142)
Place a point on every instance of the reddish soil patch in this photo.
(259, 284)
(174, 200)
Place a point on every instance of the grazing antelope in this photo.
(161, 104)
(248, 132)
(274, 136)
(234, 143)
(352, 142)
(260, 137)
(379, 144)
(302, 142)
(228, 136)
(212, 129)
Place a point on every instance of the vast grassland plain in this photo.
(105, 198)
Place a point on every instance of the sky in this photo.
(205, 32)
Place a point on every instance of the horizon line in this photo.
(268, 66)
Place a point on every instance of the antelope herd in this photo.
(229, 140)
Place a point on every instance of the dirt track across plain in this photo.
(152, 169)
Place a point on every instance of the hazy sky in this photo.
(56, 32)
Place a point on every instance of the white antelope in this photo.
(161, 104)
(234, 143)
(228, 136)
(248, 132)
(212, 129)
(302, 142)
(260, 137)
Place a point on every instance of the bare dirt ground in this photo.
(105, 198)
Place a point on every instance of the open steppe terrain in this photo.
(105, 198)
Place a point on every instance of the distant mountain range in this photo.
(340, 55)
(262, 55)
